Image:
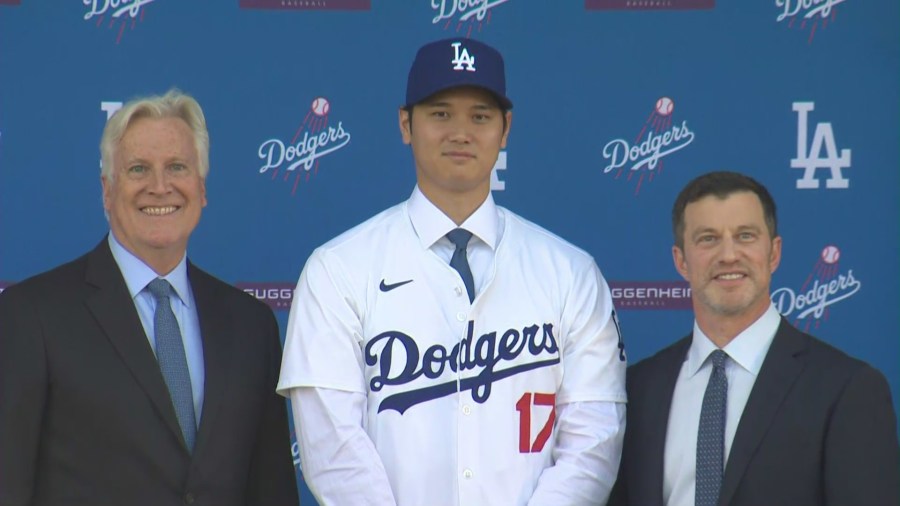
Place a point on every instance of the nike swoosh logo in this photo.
(384, 287)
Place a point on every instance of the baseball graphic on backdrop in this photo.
(664, 106)
(320, 106)
(831, 254)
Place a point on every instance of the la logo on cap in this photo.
(462, 60)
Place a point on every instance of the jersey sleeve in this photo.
(593, 353)
(324, 332)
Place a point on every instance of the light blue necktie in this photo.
(460, 239)
(172, 360)
(711, 434)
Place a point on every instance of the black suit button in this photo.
(189, 498)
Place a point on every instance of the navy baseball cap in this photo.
(450, 63)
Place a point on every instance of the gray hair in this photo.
(174, 104)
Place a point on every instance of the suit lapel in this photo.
(780, 369)
(214, 318)
(114, 310)
(659, 405)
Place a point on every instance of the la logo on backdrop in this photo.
(116, 14)
(298, 159)
(643, 159)
(826, 285)
(809, 154)
(810, 13)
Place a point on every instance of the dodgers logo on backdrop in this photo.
(121, 13)
(644, 158)
(812, 13)
(808, 155)
(640, 5)
(314, 139)
(307, 5)
(469, 14)
(825, 286)
(397, 361)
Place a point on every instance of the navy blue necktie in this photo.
(172, 360)
(711, 435)
(460, 239)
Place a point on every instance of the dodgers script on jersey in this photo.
(461, 396)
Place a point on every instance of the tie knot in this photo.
(459, 237)
(718, 358)
(160, 288)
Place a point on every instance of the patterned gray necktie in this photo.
(172, 360)
(711, 435)
(460, 239)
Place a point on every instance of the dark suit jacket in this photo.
(86, 418)
(818, 429)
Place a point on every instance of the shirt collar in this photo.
(137, 274)
(431, 224)
(748, 349)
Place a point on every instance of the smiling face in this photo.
(728, 258)
(155, 195)
(456, 136)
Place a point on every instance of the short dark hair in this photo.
(721, 184)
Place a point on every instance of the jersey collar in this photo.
(431, 224)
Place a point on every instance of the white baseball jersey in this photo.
(461, 396)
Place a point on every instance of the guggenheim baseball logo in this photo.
(277, 296)
(657, 139)
(811, 13)
(121, 13)
(307, 5)
(300, 157)
(650, 295)
(825, 286)
(469, 15)
(641, 5)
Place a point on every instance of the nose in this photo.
(158, 181)
(459, 131)
(729, 251)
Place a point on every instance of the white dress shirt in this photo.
(746, 353)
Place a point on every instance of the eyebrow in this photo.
(483, 106)
(741, 228)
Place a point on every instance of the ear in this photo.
(775, 256)
(506, 133)
(680, 264)
(404, 120)
(202, 192)
(106, 185)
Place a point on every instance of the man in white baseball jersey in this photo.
(447, 351)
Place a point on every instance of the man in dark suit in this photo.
(748, 410)
(129, 376)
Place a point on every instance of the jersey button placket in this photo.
(467, 423)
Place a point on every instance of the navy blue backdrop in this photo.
(618, 104)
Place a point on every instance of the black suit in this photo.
(818, 429)
(86, 418)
